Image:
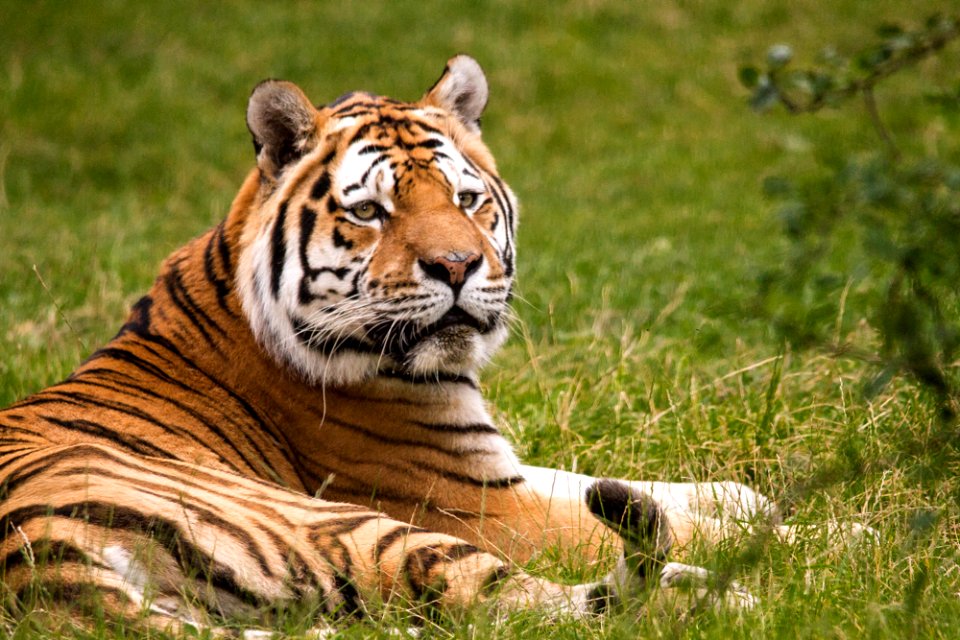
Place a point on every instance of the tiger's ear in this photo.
(461, 90)
(283, 123)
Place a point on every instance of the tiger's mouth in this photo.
(452, 318)
(399, 341)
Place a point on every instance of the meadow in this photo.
(638, 351)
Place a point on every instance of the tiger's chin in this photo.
(456, 350)
(459, 350)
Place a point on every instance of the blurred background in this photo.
(639, 165)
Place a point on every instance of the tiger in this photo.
(293, 411)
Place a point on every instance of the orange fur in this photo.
(204, 463)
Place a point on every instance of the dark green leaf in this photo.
(749, 76)
(889, 30)
(870, 58)
(777, 186)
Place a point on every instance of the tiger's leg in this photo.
(710, 512)
(188, 544)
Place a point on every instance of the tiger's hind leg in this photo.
(700, 512)
(177, 544)
(715, 512)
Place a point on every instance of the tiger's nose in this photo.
(453, 268)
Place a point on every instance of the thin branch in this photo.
(871, 103)
(923, 49)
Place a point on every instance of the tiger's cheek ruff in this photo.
(281, 270)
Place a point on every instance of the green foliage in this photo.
(874, 233)
(839, 77)
(900, 212)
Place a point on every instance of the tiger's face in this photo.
(381, 237)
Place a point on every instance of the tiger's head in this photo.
(379, 236)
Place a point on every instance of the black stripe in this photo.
(339, 241)
(421, 562)
(365, 494)
(321, 532)
(33, 468)
(350, 605)
(373, 165)
(46, 552)
(339, 101)
(386, 540)
(373, 148)
(417, 570)
(221, 286)
(421, 125)
(338, 272)
(410, 468)
(19, 428)
(495, 579)
(362, 131)
(128, 357)
(307, 337)
(455, 451)
(223, 248)
(278, 250)
(504, 203)
(308, 220)
(182, 299)
(428, 379)
(9, 452)
(479, 427)
(5, 440)
(138, 322)
(459, 551)
(321, 186)
(500, 483)
(133, 443)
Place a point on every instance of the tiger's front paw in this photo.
(697, 581)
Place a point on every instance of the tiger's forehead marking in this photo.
(389, 141)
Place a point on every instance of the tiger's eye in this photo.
(467, 199)
(366, 210)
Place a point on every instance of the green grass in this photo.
(622, 129)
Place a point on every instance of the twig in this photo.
(871, 103)
(60, 312)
